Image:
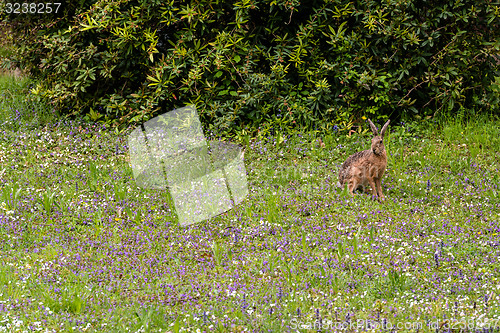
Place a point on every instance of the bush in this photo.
(315, 63)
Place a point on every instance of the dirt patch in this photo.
(16, 73)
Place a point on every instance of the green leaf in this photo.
(177, 325)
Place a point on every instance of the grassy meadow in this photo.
(83, 249)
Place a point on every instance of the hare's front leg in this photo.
(373, 186)
(378, 182)
(368, 189)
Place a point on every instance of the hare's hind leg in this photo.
(353, 185)
(354, 179)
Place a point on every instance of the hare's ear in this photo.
(372, 126)
(382, 131)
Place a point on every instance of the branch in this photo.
(409, 92)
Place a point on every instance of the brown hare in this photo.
(366, 167)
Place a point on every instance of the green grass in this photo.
(83, 248)
(18, 108)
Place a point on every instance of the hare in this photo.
(366, 167)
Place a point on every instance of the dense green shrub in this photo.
(320, 63)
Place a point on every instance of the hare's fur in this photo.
(366, 167)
